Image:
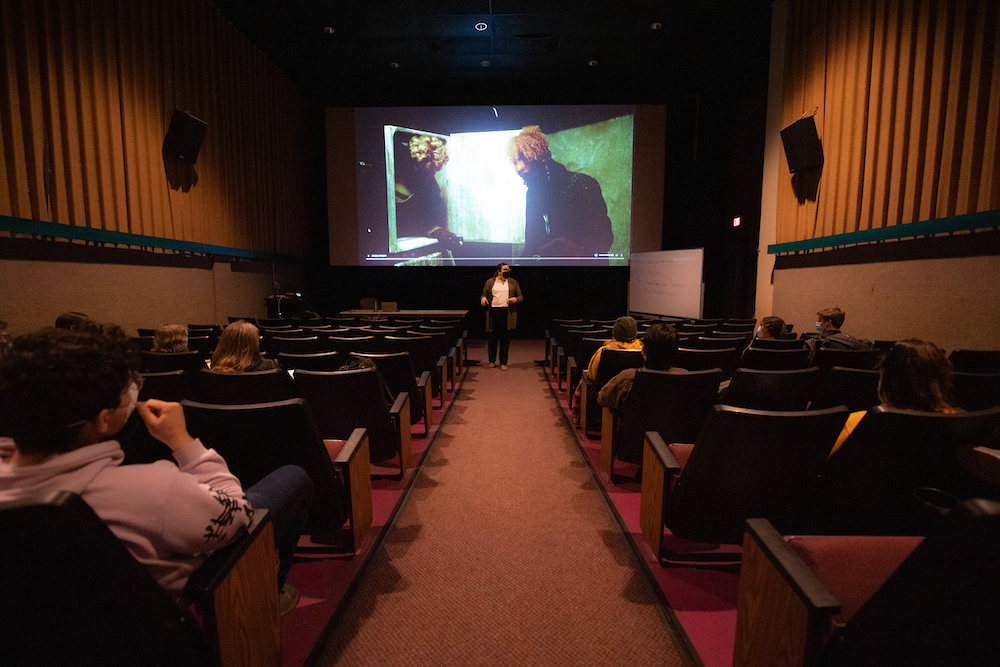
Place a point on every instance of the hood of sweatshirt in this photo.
(72, 471)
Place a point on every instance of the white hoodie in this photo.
(171, 517)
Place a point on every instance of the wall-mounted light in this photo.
(655, 25)
(484, 63)
(592, 63)
(329, 30)
(394, 65)
(481, 26)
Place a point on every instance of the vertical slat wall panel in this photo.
(908, 111)
(86, 94)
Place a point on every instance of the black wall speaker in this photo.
(802, 146)
(184, 137)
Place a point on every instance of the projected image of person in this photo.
(565, 212)
(421, 207)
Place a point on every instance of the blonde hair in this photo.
(238, 348)
(531, 143)
(429, 152)
(170, 338)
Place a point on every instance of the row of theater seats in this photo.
(864, 586)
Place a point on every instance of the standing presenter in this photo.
(501, 295)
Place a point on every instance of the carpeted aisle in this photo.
(504, 553)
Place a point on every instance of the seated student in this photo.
(659, 344)
(770, 328)
(63, 397)
(71, 320)
(170, 338)
(915, 375)
(829, 335)
(623, 337)
(238, 350)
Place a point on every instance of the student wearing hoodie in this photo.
(63, 397)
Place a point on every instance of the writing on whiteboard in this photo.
(667, 283)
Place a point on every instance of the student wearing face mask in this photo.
(501, 296)
(829, 335)
(64, 395)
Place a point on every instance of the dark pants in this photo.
(286, 494)
(499, 336)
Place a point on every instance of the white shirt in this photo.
(501, 292)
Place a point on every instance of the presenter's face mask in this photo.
(505, 272)
(819, 326)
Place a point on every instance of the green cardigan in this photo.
(515, 291)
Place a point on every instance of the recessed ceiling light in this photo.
(484, 63)
(394, 65)
(481, 26)
(655, 26)
(329, 30)
(592, 63)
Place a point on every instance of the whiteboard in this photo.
(668, 282)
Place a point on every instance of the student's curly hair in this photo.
(773, 326)
(531, 143)
(54, 379)
(659, 345)
(170, 338)
(916, 375)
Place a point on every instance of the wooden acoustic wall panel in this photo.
(906, 97)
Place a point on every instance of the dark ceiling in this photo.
(372, 52)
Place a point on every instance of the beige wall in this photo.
(951, 302)
(33, 293)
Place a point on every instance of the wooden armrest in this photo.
(570, 373)
(354, 464)
(400, 412)
(442, 377)
(658, 467)
(236, 592)
(784, 611)
(426, 392)
(609, 424)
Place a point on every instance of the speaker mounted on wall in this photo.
(802, 145)
(184, 137)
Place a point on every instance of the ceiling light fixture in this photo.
(329, 30)
(655, 26)
(481, 26)
(394, 65)
(592, 63)
(484, 63)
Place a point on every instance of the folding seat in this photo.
(399, 375)
(975, 391)
(827, 358)
(204, 345)
(342, 401)
(145, 332)
(276, 345)
(777, 343)
(975, 361)
(314, 361)
(144, 342)
(453, 336)
(774, 360)
(442, 348)
(868, 486)
(243, 388)
(257, 439)
(713, 342)
(74, 595)
(578, 362)
(554, 335)
(570, 348)
(673, 404)
(872, 600)
(772, 390)
(423, 358)
(702, 360)
(857, 388)
(612, 363)
(273, 322)
(251, 320)
(745, 463)
(160, 362)
(345, 345)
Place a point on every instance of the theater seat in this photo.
(74, 595)
(872, 600)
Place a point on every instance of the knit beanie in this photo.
(624, 329)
